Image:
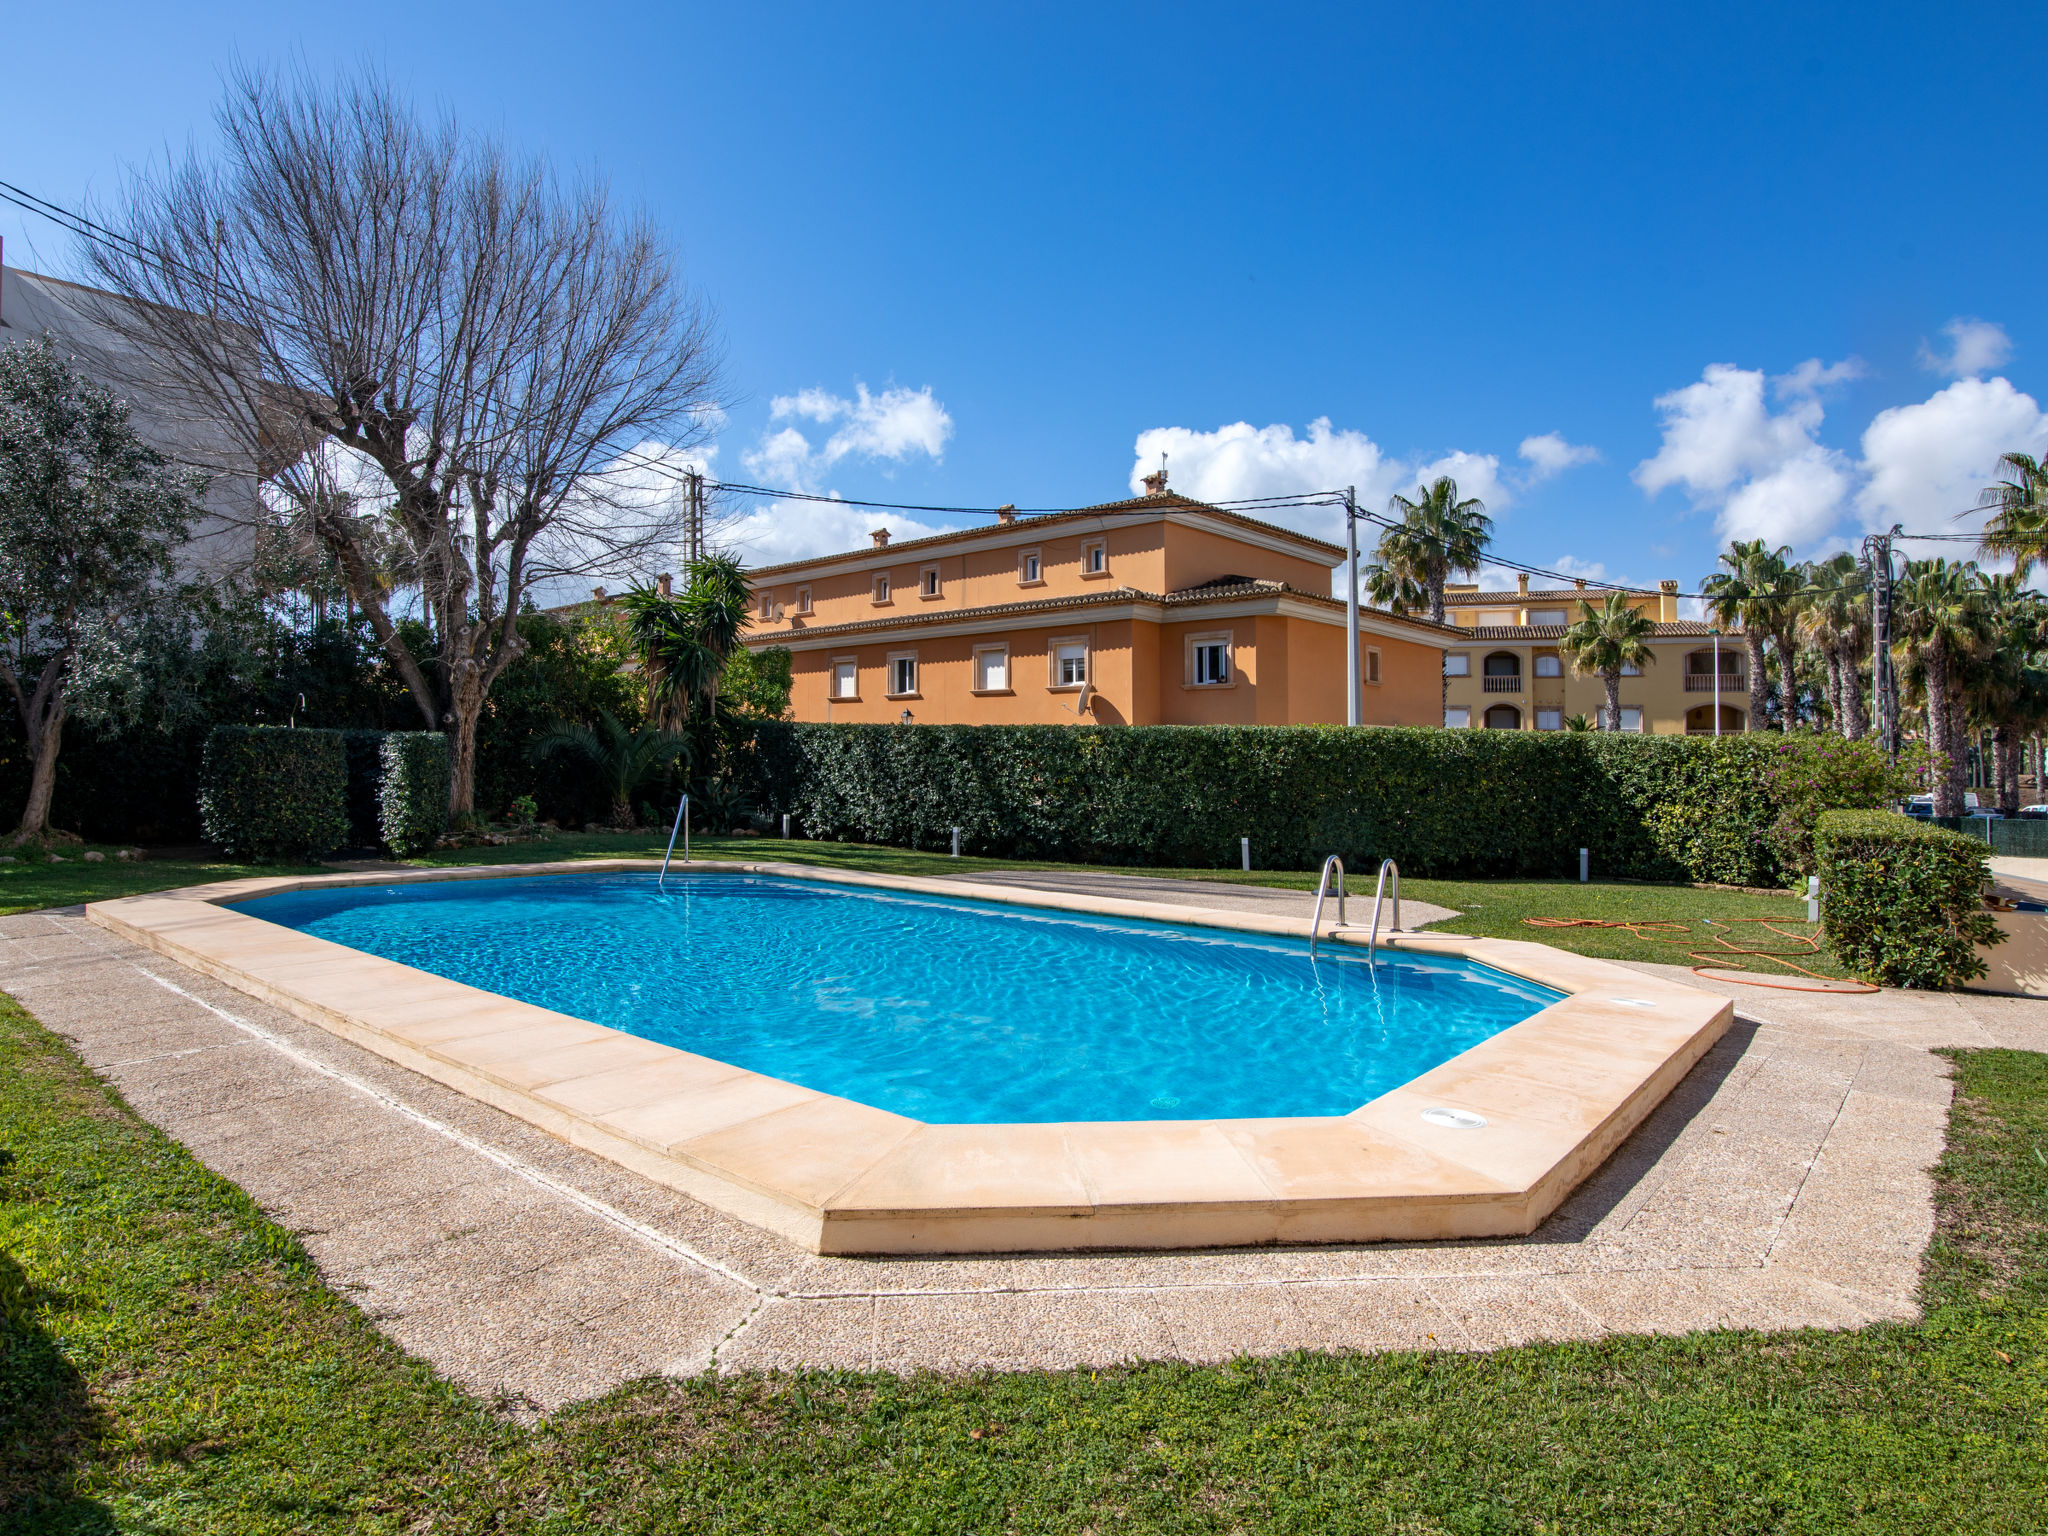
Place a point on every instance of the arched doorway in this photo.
(1501, 673)
(1699, 720)
(1503, 717)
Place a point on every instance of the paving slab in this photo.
(1783, 1183)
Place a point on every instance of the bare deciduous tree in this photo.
(418, 336)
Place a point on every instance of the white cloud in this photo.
(895, 425)
(1584, 570)
(1975, 347)
(1550, 455)
(775, 531)
(892, 427)
(1240, 461)
(1765, 473)
(1926, 462)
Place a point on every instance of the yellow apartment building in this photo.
(1156, 610)
(1506, 673)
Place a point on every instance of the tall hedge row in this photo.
(1738, 810)
(414, 794)
(270, 792)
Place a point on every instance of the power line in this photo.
(85, 227)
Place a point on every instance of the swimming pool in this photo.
(944, 1010)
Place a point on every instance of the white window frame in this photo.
(1059, 643)
(878, 588)
(1372, 665)
(767, 605)
(930, 583)
(981, 655)
(1636, 729)
(833, 679)
(1548, 666)
(1554, 716)
(1457, 663)
(803, 599)
(1547, 616)
(1630, 669)
(1457, 717)
(1199, 643)
(1095, 558)
(898, 659)
(1030, 567)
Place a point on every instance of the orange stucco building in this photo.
(1154, 611)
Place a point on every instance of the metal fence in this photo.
(2023, 839)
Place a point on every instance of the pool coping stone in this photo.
(1559, 1091)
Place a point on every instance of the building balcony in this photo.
(1703, 682)
(1510, 684)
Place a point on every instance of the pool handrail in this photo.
(682, 825)
(1315, 925)
(1386, 865)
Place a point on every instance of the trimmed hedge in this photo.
(414, 798)
(1738, 810)
(270, 792)
(1901, 902)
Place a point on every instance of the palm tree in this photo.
(686, 641)
(2018, 527)
(1940, 620)
(624, 760)
(2001, 685)
(1437, 536)
(1606, 639)
(1834, 618)
(1755, 594)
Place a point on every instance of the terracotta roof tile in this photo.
(1184, 598)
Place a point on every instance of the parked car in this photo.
(2034, 813)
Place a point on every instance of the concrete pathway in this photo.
(1217, 895)
(1782, 1185)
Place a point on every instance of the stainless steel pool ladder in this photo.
(683, 826)
(1387, 867)
(1315, 925)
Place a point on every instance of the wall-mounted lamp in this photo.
(904, 718)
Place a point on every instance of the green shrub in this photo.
(1903, 903)
(1503, 803)
(269, 792)
(414, 799)
(365, 787)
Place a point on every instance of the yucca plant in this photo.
(623, 759)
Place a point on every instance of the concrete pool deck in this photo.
(1783, 1184)
(1535, 1108)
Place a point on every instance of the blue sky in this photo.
(1050, 242)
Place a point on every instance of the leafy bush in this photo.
(414, 796)
(1440, 802)
(1903, 903)
(273, 793)
(570, 670)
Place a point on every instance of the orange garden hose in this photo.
(1650, 931)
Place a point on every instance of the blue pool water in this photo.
(948, 1011)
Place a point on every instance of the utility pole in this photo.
(693, 535)
(1353, 704)
(1884, 677)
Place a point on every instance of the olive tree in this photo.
(89, 517)
(423, 342)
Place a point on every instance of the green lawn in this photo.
(1492, 908)
(171, 1363)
